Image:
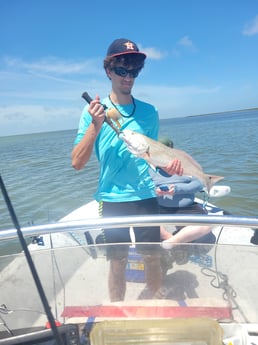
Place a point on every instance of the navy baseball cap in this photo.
(123, 46)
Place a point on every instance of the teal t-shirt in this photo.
(123, 177)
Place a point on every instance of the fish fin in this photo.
(212, 179)
(146, 156)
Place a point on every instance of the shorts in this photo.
(193, 209)
(122, 235)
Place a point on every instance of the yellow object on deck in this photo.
(201, 331)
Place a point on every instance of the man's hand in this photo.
(97, 111)
(174, 168)
(169, 191)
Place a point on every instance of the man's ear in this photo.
(108, 73)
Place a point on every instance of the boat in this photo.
(208, 293)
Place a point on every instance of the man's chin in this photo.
(126, 91)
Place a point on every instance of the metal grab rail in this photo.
(115, 222)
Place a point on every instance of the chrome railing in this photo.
(115, 222)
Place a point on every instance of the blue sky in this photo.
(202, 57)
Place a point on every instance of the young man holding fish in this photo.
(125, 186)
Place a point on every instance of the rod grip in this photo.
(88, 99)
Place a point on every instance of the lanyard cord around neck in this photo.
(127, 115)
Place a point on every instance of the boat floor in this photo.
(208, 284)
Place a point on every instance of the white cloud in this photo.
(45, 95)
(21, 86)
(187, 43)
(173, 101)
(28, 118)
(152, 53)
(33, 98)
(251, 28)
(156, 54)
(54, 65)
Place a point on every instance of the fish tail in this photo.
(211, 180)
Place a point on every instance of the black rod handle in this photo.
(88, 99)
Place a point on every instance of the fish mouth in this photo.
(122, 136)
(134, 149)
(130, 147)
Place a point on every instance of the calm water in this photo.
(43, 187)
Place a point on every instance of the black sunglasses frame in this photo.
(123, 72)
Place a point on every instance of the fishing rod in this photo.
(34, 272)
(88, 99)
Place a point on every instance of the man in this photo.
(125, 186)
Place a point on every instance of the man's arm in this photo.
(82, 151)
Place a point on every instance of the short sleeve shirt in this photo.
(123, 177)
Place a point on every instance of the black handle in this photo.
(88, 99)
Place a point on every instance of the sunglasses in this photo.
(123, 72)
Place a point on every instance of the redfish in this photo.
(158, 155)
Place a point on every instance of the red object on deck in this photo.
(110, 311)
(58, 324)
